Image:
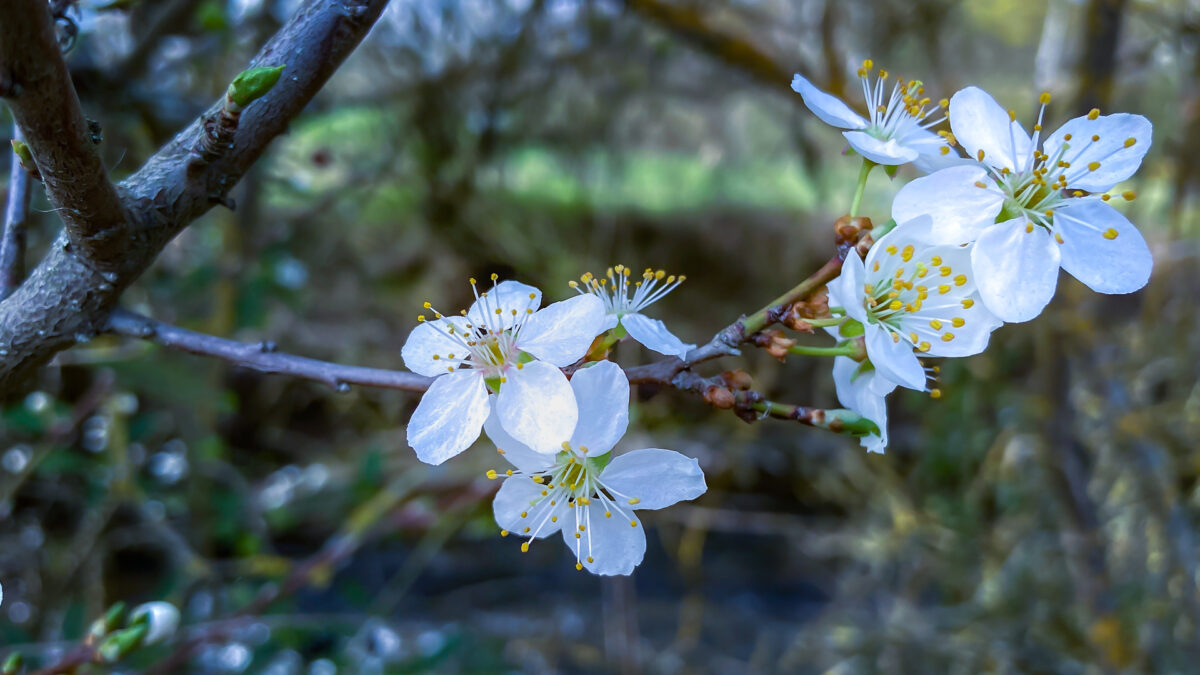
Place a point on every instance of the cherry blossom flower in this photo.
(897, 131)
(502, 353)
(862, 389)
(912, 298)
(624, 301)
(1053, 203)
(584, 492)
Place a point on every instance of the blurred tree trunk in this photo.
(1099, 62)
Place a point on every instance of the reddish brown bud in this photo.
(719, 397)
(864, 244)
(847, 230)
(738, 379)
(815, 307)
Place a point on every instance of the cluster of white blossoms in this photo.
(975, 242)
(498, 367)
(979, 240)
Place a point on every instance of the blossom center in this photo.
(1037, 186)
(916, 300)
(622, 295)
(488, 339)
(904, 110)
(568, 490)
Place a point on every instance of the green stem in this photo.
(822, 323)
(865, 171)
(762, 318)
(840, 350)
(883, 229)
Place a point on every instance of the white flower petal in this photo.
(610, 322)
(894, 359)
(979, 123)
(1116, 161)
(958, 208)
(615, 546)
(1016, 269)
(653, 334)
(537, 407)
(846, 291)
(449, 416)
(888, 153)
(924, 141)
(520, 495)
(969, 328)
(507, 297)
(434, 337)
(1118, 265)
(856, 389)
(602, 393)
(517, 453)
(562, 332)
(930, 163)
(829, 109)
(658, 478)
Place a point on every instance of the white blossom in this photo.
(912, 298)
(898, 129)
(862, 389)
(624, 301)
(584, 492)
(502, 354)
(1051, 204)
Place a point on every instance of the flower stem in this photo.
(831, 321)
(848, 349)
(883, 229)
(604, 342)
(865, 171)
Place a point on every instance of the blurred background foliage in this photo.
(1041, 517)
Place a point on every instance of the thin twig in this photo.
(670, 371)
(262, 356)
(16, 215)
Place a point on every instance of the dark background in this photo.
(1040, 518)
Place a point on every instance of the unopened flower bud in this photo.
(252, 84)
(864, 243)
(160, 618)
(12, 664)
(738, 379)
(847, 230)
(815, 307)
(106, 624)
(719, 397)
(121, 643)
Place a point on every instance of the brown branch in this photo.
(46, 107)
(670, 371)
(16, 214)
(66, 298)
(735, 334)
(691, 24)
(262, 356)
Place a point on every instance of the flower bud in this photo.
(161, 620)
(251, 85)
(12, 664)
(719, 397)
(738, 379)
(847, 230)
(121, 643)
(815, 307)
